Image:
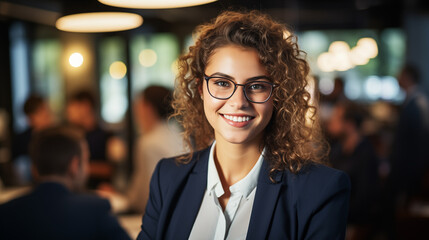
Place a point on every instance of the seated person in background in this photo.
(81, 112)
(160, 138)
(39, 116)
(52, 210)
(354, 154)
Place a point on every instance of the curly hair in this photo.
(293, 137)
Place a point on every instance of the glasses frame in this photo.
(207, 78)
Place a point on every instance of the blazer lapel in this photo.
(265, 202)
(188, 205)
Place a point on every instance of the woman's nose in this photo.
(238, 99)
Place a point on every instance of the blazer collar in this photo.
(267, 193)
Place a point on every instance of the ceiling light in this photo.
(155, 4)
(76, 60)
(99, 22)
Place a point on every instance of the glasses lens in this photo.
(220, 87)
(258, 91)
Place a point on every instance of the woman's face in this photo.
(236, 120)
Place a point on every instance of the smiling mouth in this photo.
(238, 119)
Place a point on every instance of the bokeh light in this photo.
(326, 85)
(390, 88)
(352, 88)
(341, 58)
(339, 47)
(368, 46)
(148, 57)
(117, 70)
(357, 56)
(76, 59)
(373, 87)
(325, 62)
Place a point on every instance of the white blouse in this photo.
(214, 223)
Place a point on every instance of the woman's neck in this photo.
(234, 161)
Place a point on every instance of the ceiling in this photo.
(300, 14)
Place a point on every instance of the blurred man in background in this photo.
(39, 117)
(410, 150)
(353, 153)
(81, 112)
(52, 210)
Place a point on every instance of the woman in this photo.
(243, 85)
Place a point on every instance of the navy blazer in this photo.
(312, 204)
(51, 211)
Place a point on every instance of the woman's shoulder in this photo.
(173, 165)
(319, 174)
(316, 180)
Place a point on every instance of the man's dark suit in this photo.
(51, 211)
(310, 205)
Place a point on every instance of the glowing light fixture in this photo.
(358, 57)
(147, 57)
(339, 47)
(368, 46)
(76, 59)
(341, 58)
(155, 4)
(117, 70)
(325, 62)
(99, 22)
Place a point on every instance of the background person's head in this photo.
(80, 110)
(347, 118)
(290, 130)
(38, 112)
(60, 153)
(408, 77)
(152, 106)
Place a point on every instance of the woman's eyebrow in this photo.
(258, 78)
(219, 74)
(223, 75)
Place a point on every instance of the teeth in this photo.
(237, 119)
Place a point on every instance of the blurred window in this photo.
(153, 59)
(19, 52)
(113, 79)
(46, 69)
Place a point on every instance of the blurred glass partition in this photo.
(19, 52)
(113, 79)
(47, 75)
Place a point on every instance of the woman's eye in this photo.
(257, 86)
(222, 83)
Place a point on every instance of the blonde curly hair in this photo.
(293, 137)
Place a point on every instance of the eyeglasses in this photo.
(255, 91)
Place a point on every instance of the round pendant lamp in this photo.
(154, 4)
(99, 22)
